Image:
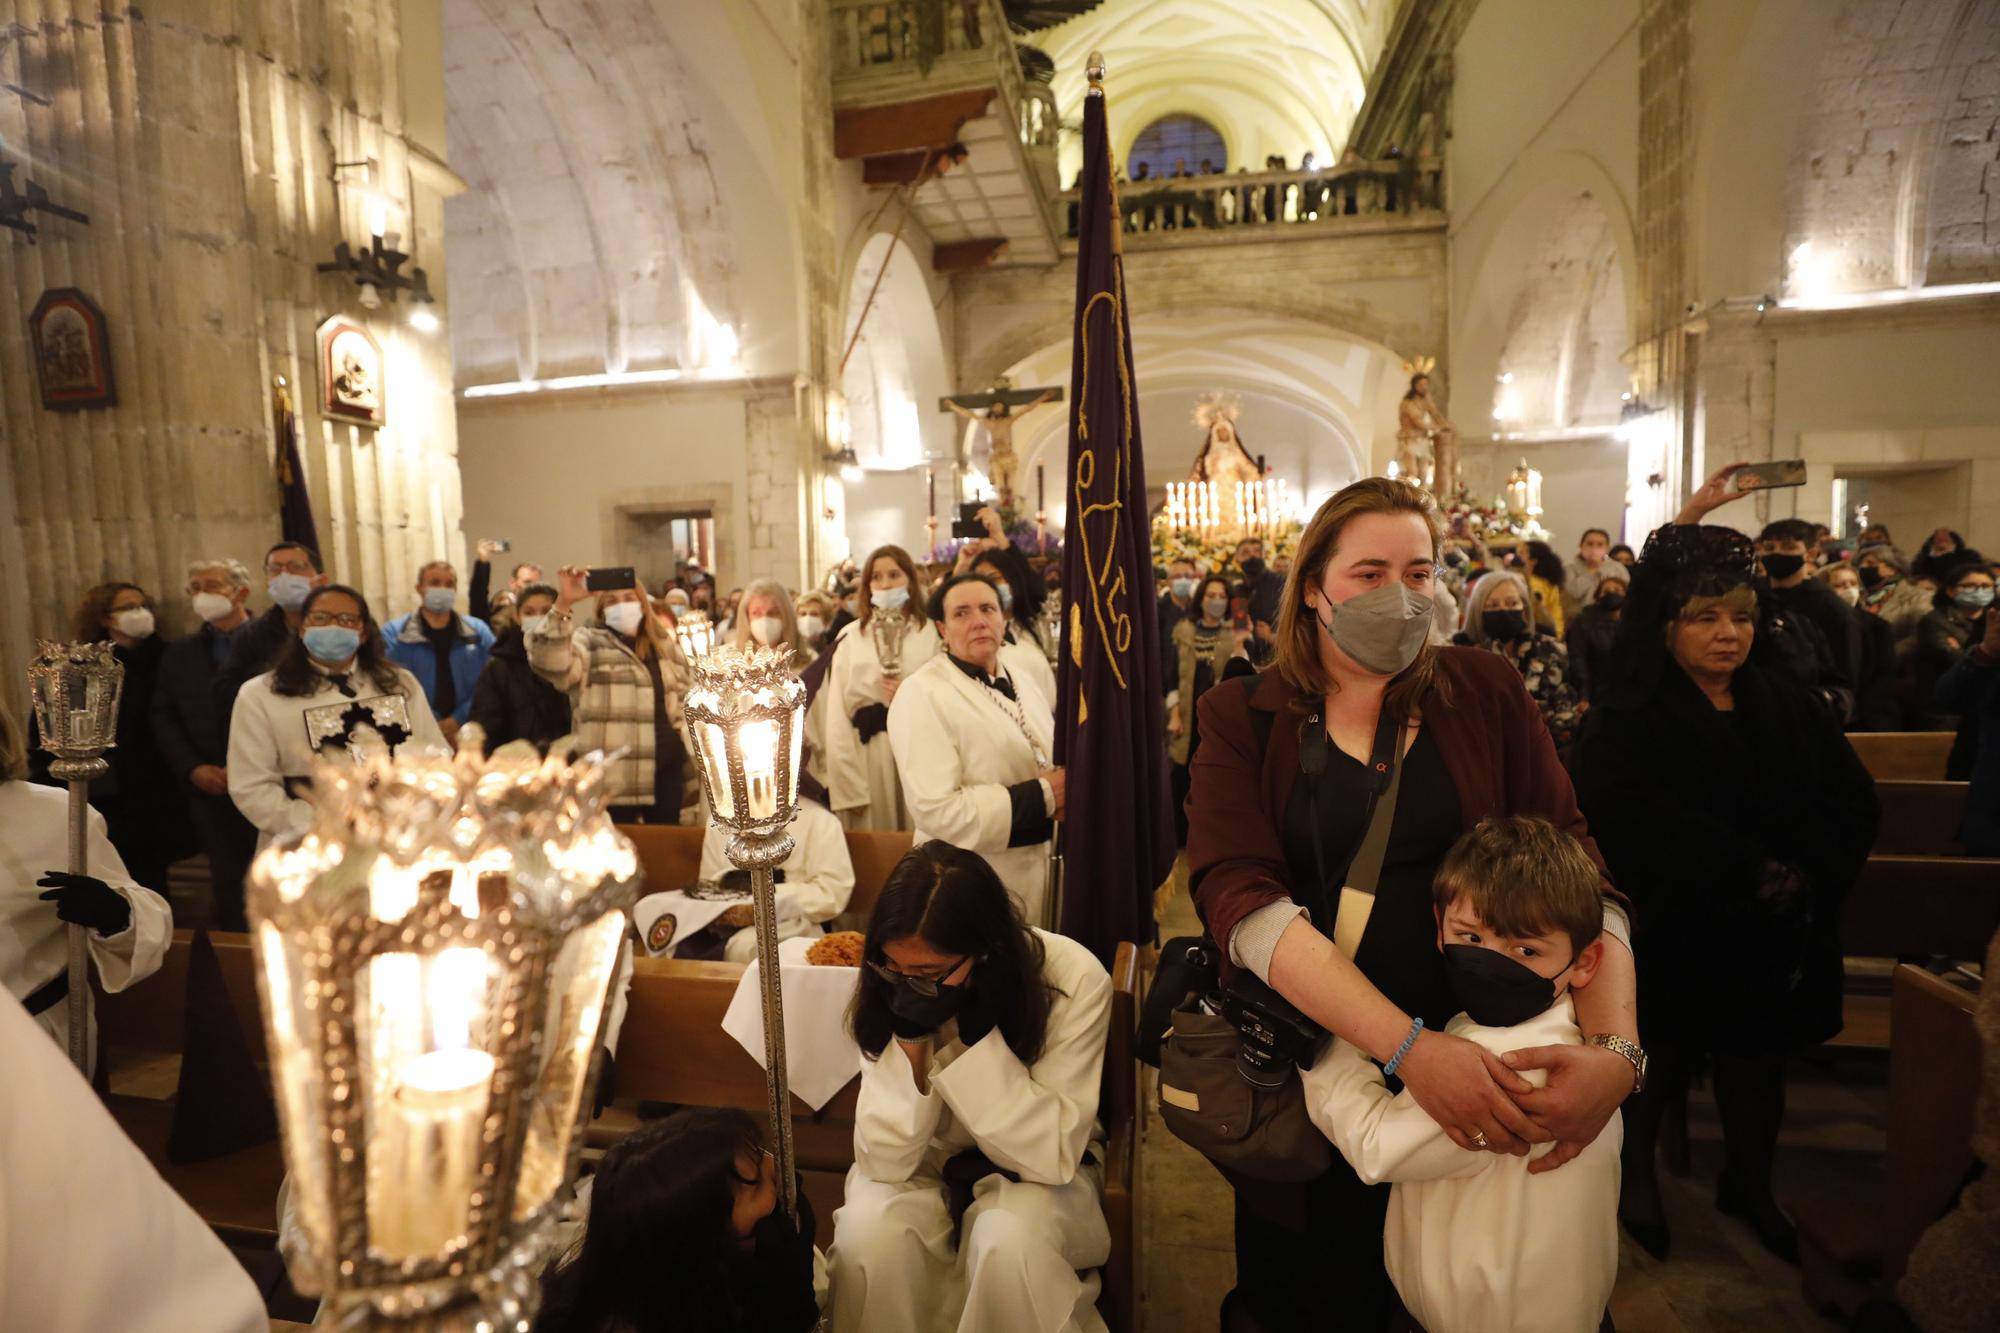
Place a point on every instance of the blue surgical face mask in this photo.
(890, 599)
(439, 600)
(290, 590)
(1006, 598)
(1183, 588)
(330, 645)
(1973, 599)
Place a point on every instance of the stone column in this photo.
(1666, 147)
(819, 375)
(202, 140)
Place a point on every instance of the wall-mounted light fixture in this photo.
(15, 205)
(379, 268)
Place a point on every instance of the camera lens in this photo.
(1257, 1062)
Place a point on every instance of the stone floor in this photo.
(1717, 1278)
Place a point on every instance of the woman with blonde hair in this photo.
(1281, 794)
(627, 683)
(890, 637)
(767, 619)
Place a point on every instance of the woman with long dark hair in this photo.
(332, 685)
(890, 637)
(1022, 597)
(974, 1201)
(694, 1196)
(1278, 806)
(1734, 813)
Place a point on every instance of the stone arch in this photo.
(1549, 300)
(898, 368)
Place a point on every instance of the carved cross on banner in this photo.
(997, 409)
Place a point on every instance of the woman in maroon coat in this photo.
(1352, 644)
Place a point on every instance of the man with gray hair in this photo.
(194, 737)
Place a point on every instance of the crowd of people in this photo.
(1471, 811)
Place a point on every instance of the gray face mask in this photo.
(1383, 630)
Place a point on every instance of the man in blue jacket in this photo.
(442, 649)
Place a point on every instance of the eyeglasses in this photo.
(318, 619)
(924, 986)
(277, 567)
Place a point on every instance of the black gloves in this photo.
(1782, 892)
(83, 901)
(871, 721)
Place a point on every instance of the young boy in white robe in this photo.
(1473, 1241)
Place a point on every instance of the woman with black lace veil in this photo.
(1732, 811)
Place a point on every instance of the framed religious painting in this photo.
(72, 353)
(350, 372)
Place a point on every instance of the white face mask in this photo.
(532, 625)
(213, 606)
(891, 599)
(767, 630)
(811, 627)
(625, 617)
(1850, 593)
(136, 623)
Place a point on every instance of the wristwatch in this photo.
(1631, 1050)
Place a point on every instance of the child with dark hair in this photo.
(974, 1201)
(694, 1195)
(1481, 1240)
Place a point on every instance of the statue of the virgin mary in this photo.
(1223, 460)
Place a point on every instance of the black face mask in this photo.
(1611, 601)
(1495, 990)
(1782, 566)
(1871, 575)
(1504, 625)
(927, 1013)
(1253, 568)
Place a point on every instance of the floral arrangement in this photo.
(1466, 517)
(1215, 551)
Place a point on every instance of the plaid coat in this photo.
(611, 699)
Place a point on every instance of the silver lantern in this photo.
(435, 955)
(746, 717)
(76, 688)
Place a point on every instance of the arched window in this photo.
(1177, 138)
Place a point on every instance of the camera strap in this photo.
(1348, 916)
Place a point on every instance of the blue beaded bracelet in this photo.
(1416, 1029)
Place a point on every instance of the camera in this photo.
(1275, 1037)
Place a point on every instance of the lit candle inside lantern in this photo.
(715, 754)
(430, 1139)
(760, 767)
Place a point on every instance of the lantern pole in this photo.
(761, 856)
(77, 737)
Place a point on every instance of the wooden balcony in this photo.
(1272, 205)
(912, 80)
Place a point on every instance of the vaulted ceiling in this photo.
(593, 238)
(1276, 76)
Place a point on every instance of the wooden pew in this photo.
(236, 1194)
(1923, 906)
(1903, 756)
(1919, 818)
(670, 856)
(1851, 1243)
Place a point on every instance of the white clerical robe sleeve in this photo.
(1036, 1122)
(1382, 1136)
(137, 951)
(256, 762)
(819, 878)
(90, 1236)
(846, 765)
(893, 1121)
(976, 816)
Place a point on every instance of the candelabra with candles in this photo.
(76, 688)
(1192, 506)
(434, 956)
(1524, 491)
(746, 718)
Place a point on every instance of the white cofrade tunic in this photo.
(275, 736)
(34, 941)
(1025, 1248)
(1024, 657)
(90, 1236)
(819, 877)
(959, 747)
(861, 777)
(1473, 1242)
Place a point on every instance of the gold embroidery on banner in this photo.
(1106, 592)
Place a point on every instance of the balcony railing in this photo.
(1275, 200)
(888, 50)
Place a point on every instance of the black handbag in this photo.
(1245, 1114)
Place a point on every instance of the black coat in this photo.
(1590, 638)
(186, 724)
(511, 703)
(1691, 807)
(1878, 697)
(253, 652)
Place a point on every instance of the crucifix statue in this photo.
(1003, 404)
